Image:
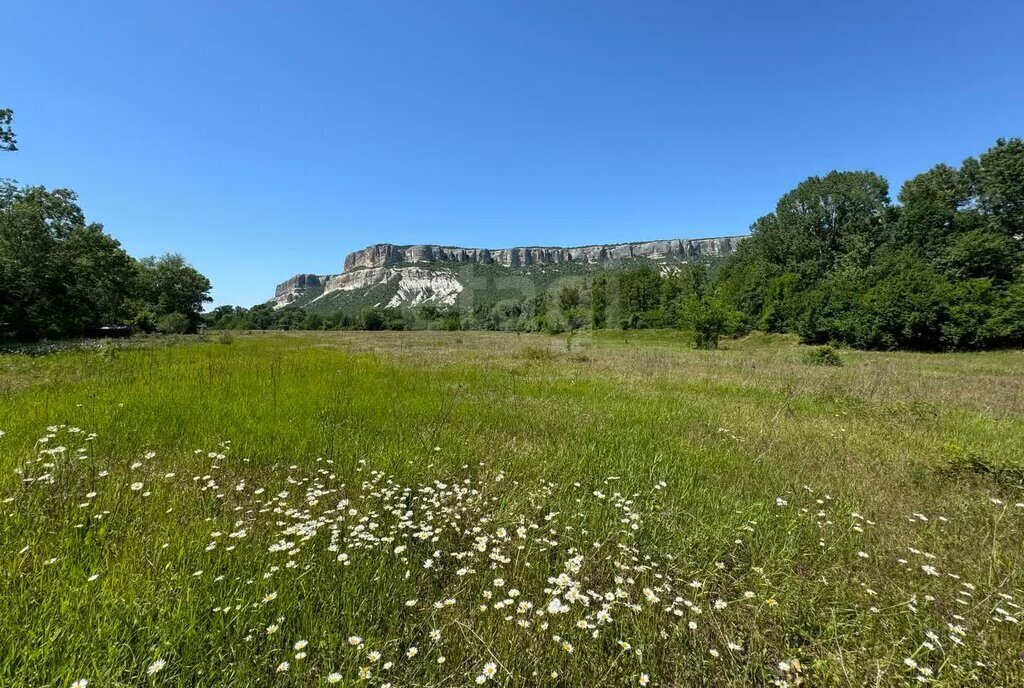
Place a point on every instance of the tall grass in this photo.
(621, 512)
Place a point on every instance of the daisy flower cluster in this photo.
(330, 572)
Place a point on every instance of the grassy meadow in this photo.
(460, 509)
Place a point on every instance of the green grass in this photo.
(626, 461)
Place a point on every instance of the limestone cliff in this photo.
(386, 274)
(383, 255)
(297, 287)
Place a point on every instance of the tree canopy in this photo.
(942, 269)
(61, 275)
(8, 141)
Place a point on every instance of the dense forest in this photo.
(836, 262)
(61, 276)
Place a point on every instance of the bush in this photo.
(552, 325)
(371, 319)
(376, 319)
(823, 356)
(173, 323)
(709, 320)
(144, 320)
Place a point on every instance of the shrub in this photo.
(173, 323)
(380, 319)
(823, 355)
(708, 318)
(371, 319)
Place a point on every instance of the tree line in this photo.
(837, 261)
(62, 276)
(637, 296)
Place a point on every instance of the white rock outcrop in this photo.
(426, 272)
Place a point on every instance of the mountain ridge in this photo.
(385, 254)
(411, 274)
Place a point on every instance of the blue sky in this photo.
(263, 139)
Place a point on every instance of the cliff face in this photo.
(297, 287)
(385, 274)
(383, 255)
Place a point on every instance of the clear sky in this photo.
(263, 139)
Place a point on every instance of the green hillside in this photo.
(483, 286)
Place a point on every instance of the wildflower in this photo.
(283, 667)
(365, 673)
(435, 635)
(334, 677)
(272, 629)
(301, 644)
(355, 640)
(269, 597)
(490, 669)
(156, 666)
(80, 683)
(135, 487)
(644, 679)
(373, 656)
(412, 652)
